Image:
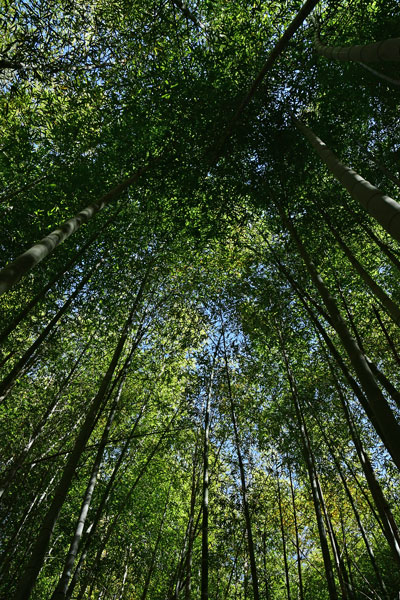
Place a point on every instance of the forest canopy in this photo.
(200, 300)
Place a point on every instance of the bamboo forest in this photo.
(200, 300)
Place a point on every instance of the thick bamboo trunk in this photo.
(13, 272)
(364, 494)
(377, 402)
(380, 206)
(380, 376)
(387, 50)
(40, 295)
(385, 519)
(305, 300)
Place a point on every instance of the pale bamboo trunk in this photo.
(386, 50)
(380, 206)
(16, 269)
(377, 402)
